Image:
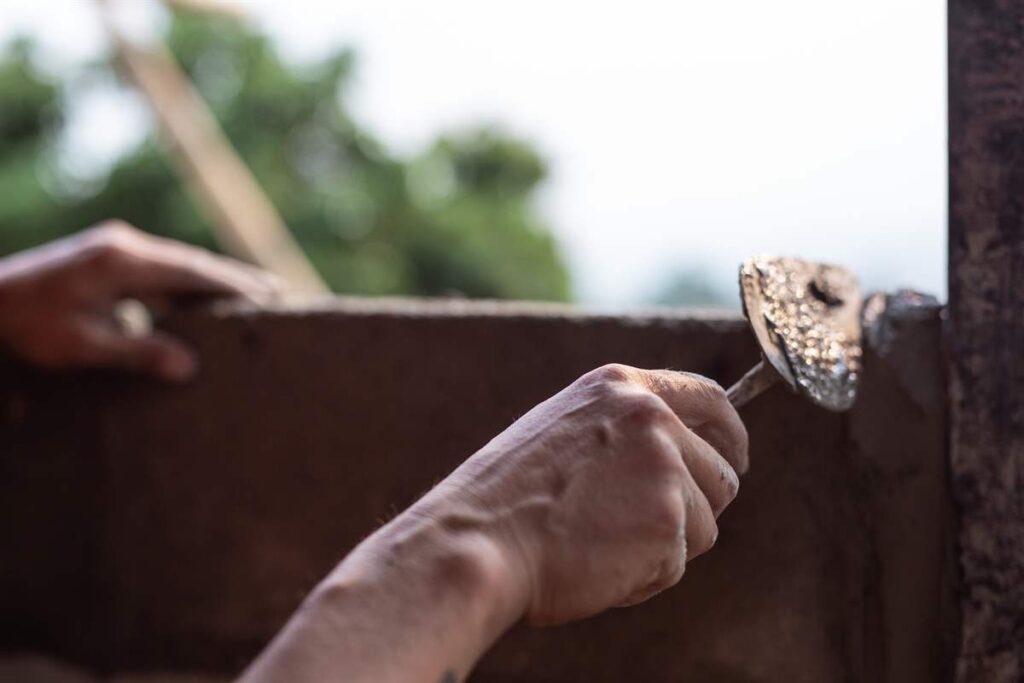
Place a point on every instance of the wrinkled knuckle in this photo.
(112, 235)
(673, 566)
(613, 374)
(116, 228)
(105, 256)
(644, 408)
(663, 462)
(109, 248)
(730, 485)
(666, 517)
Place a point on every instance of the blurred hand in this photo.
(601, 494)
(58, 301)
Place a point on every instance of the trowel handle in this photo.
(759, 378)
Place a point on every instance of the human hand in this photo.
(595, 498)
(599, 496)
(58, 301)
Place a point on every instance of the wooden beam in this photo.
(245, 222)
(986, 330)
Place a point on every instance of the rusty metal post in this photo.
(986, 330)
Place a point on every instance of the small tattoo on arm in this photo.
(449, 677)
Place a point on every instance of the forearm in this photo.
(418, 602)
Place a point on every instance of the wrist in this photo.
(456, 557)
(442, 581)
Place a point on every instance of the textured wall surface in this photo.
(154, 528)
(986, 330)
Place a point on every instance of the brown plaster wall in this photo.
(152, 528)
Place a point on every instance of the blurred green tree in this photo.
(459, 218)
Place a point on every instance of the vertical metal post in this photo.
(986, 330)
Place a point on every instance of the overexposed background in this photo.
(682, 136)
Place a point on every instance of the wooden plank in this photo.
(986, 329)
(245, 221)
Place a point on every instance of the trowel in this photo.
(806, 318)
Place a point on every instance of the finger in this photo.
(671, 567)
(700, 531)
(263, 277)
(703, 406)
(701, 527)
(666, 576)
(712, 473)
(138, 264)
(171, 267)
(157, 354)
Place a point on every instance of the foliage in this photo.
(460, 217)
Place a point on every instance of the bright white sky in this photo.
(681, 134)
